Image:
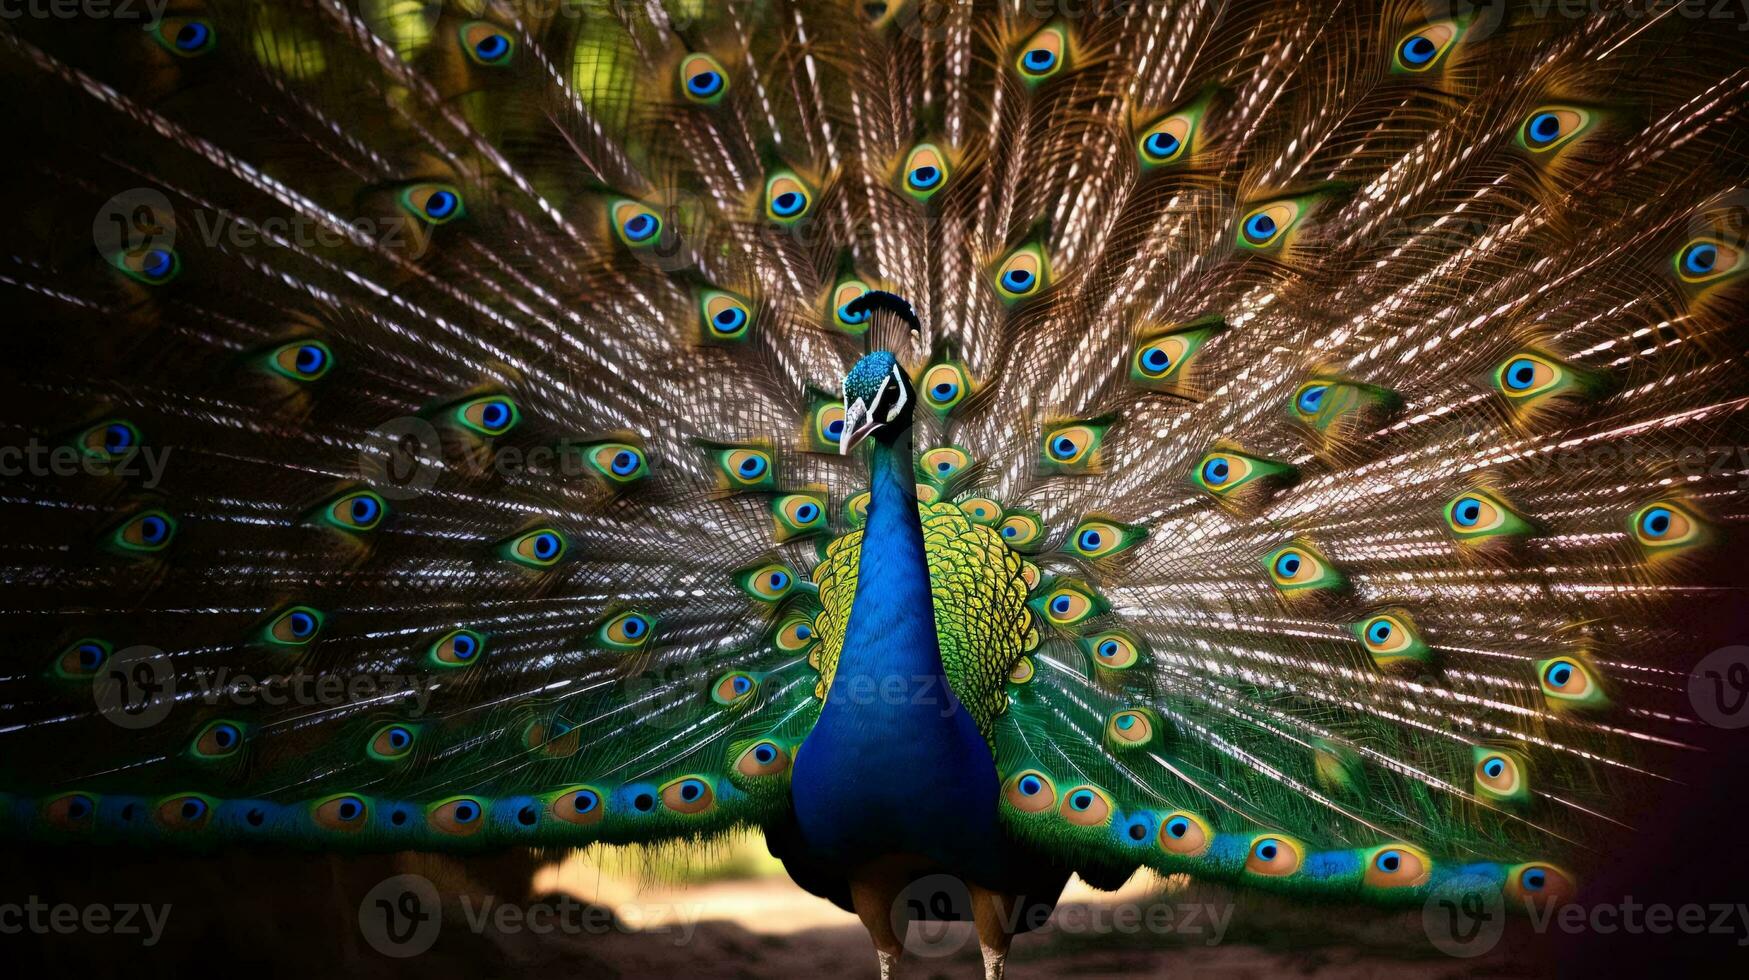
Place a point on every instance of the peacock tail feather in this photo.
(1310, 394)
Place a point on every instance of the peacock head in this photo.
(877, 401)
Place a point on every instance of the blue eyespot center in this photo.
(1063, 447)
(1126, 722)
(193, 36)
(225, 736)
(495, 415)
(788, 203)
(1311, 398)
(1030, 785)
(1545, 126)
(464, 646)
(1060, 605)
(835, 428)
(492, 47)
(1156, 360)
(764, 754)
(1418, 50)
(804, 631)
(154, 529)
(193, 808)
(1656, 522)
(1011, 532)
(778, 580)
(90, 655)
(1178, 826)
(1108, 649)
(625, 462)
(1288, 565)
(944, 390)
(1216, 471)
(1493, 768)
(546, 545)
(302, 624)
(691, 790)
(466, 812)
(349, 809)
(1259, 227)
(1039, 60)
(729, 320)
(585, 801)
(157, 264)
(1081, 800)
(364, 509)
(1018, 280)
(925, 177)
(1559, 674)
(441, 204)
(1379, 631)
(117, 438)
(1090, 540)
(634, 626)
(1534, 879)
(705, 83)
(1161, 145)
(1389, 861)
(752, 466)
(1700, 258)
(848, 316)
(1467, 512)
(310, 359)
(742, 685)
(639, 227)
(1520, 374)
(1268, 849)
(806, 513)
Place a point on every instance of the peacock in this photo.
(1280, 442)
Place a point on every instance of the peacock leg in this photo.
(993, 913)
(874, 893)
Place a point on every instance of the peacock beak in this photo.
(858, 425)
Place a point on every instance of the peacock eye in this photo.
(539, 548)
(1073, 447)
(1166, 141)
(637, 224)
(1023, 274)
(433, 203)
(981, 510)
(618, 462)
(1391, 637)
(144, 533)
(296, 626)
(725, 317)
(1113, 650)
(151, 266)
(1095, 538)
(108, 440)
(81, 659)
(359, 510)
(189, 812)
(626, 631)
(1707, 260)
(185, 37)
(345, 813)
(786, 197)
(458, 817)
(1068, 604)
(1665, 526)
(217, 740)
(734, 687)
(768, 583)
(487, 44)
(926, 171)
(457, 648)
(1297, 568)
(1539, 884)
(1042, 55)
(745, 468)
(72, 811)
(1397, 866)
(1185, 834)
(1085, 806)
(1553, 126)
(688, 795)
(794, 634)
(1426, 47)
(578, 805)
(1022, 672)
(1476, 514)
(1021, 529)
(943, 463)
(763, 759)
(1266, 226)
(1527, 375)
(1129, 729)
(1030, 792)
(797, 514)
(945, 386)
(1566, 681)
(1499, 776)
(303, 360)
(1274, 856)
(702, 79)
(1309, 400)
(391, 742)
(827, 428)
(843, 317)
(492, 415)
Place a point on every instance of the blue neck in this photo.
(892, 621)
